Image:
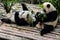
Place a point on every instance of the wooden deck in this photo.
(14, 32)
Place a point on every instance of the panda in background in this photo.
(50, 22)
(22, 18)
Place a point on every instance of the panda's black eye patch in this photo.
(44, 10)
(48, 5)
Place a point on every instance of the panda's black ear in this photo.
(48, 5)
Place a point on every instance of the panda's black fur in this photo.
(46, 29)
(51, 16)
(24, 7)
(6, 20)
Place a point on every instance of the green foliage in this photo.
(43, 16)
(7, 4)
(40, 6)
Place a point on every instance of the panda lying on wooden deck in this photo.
(26, 17)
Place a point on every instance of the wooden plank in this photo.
(57, 37)
(55, 34)
(27, 28)
(24, 33)
(10, 37)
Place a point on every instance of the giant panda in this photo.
(50, 22)
(22, 18)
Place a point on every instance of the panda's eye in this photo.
(48, 5)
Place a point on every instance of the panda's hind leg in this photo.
(6, 20)
(47, 29)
